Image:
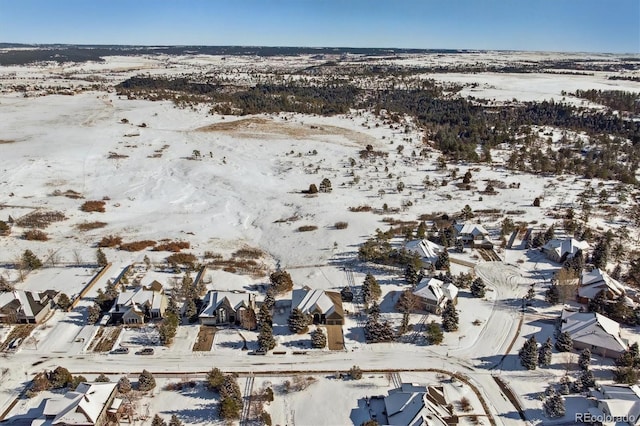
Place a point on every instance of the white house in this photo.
(561, 250)
(433, 294)
(617, 401)
(133, 306)
(427, 250)
(594, 331)
(472, 235)
(593, 282)
(86, 406)
(419, 405)
(228, 307)
(324, 306)
(26, 307)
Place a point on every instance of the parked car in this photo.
(145, 351)
(120, 350)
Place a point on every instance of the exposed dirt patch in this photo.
(105, 339)
(3, 141)
(335, 338)
(261, 128)
(204, 342)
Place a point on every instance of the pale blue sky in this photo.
(550, 25)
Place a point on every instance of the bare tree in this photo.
(77, 257)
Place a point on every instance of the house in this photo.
(136, 306)
(433, 294)
(472, 235)
(593, 282)
(561, 250)
(617, 402)
(428, 251)
(594, 331)
(324, 306)
(86, 406)
(229, 307)
(26, 307)
(411, 404)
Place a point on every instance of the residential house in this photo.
(594, 331)
(229, 307)
(416, 405)
(85, 406)
(433, 294)
(593, 282)
(427, 250)
(26, 307)
(472, 235)
(138, 305)
(561, 250)
(620, 402)
(324, 306)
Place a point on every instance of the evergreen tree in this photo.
(564, 342)
(544, 353)
(599, 303)
(421, 232)
(31, 261)
(168, 328)
(374, 330)
(215, 379)
(101, 258)
(265, 337)
(370, 289)
(175, 421)
(600, 255)
(172, 306)
(264, 314)
(478, 287)
(146, 381)
(434, 333)
(585, 381)
(60, 378)
(298, 321)
(554, 406)
(459, 246)
(325, 185)
(157, 421)
(552, 295)
(93, 313)
(463, 280)
(529, 354)
(565, 384)
(191, 310)
(318, 339)
(64, 302)
(442, 262)
(281, 281)
(411, 275)
(450, 317)
(102, 379)
(584, 361)
(230, 399)
(124, 385)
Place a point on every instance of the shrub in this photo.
(186, 259)
(40, 382)
(93, 206)
(536, 202)
(64, 302)
(341, 225)
(110, 241)
(124, 385)
(137, 245)
(281, 281)
(146, 381)
(60, 378)
(307, 228)
(88, 226)
(34, 235)
(172, 246)
(313, 189)
(4, 228)
(355, 373)
(358, 209)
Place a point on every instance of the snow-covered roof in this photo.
(435, 290)
(214, 298)
(30, 303)
(592, 282)
(568, 246)
(470, 229)
(309, 301)
(631, 393)
(80, 407)
(410, 405)
(426, 249)
(142, 297)
(593, 329)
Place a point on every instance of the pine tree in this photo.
(434, 333)
(281, 281)
(30, 260)
(318, 339)
(411, 275)
(586, 380)
(265, 338)
(585, 359)
(565, 384)
(370, 289)
(157, 421)
(146, 381)
(478, 287)
(450, 317)
(529, 354)
(101, 258)
(459, 246)
(64, 302)
(191, 310)
(600, 255)
(124, 385)
(564, 342)
(421, 232)
(442, 262)
(102, 379)
(554, 406)
(552, 295)
(298, 321)
(544, 353)
(60, 378)
(215, 379)
(325, 185)
(93, 313)
(175, 421)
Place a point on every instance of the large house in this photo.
(427, 250)
(472, 235)
(137, 306)
(433, 294)
(617, 401)
(26, 307)
(593, 331)
(85, 406)
(593, 282)
(324, 306)
(561, 250)
(419, 405)
(229, 307)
